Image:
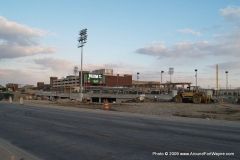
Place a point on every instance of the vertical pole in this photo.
(75, 79)
(217, 76)
(81, 85)
(217, 79)
(226, 79)
(196, 79)
(138, 81)
(161, 75)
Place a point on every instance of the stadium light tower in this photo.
(82, 40)
(196, 77)
(161, 75)
(138, 76)
(226, 79)
(170, 72)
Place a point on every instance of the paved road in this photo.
(80, 134)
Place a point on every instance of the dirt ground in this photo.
(221, 111)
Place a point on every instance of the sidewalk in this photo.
(11, 152)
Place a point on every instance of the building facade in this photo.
(12, 87)
(118, 81)
(40, 85)
(51, 80)
(103, 72)
(107, 79)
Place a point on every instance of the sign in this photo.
(94, 79)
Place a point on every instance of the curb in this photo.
(11, 152)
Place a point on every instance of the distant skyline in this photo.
(38, 39)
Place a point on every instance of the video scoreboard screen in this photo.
(95, 79)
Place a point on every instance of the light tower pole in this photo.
(226, 79)
(161, 75)
(82, 40)
(196, 78)
(75, 70)
(170, 72)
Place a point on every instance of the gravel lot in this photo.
(221, 111)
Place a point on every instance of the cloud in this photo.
(14, 51)
(18, 40)
(21, 76)
(189, 31)
(231, 13)
(66, 66)
(225, 45)
(230, 65)
(156, 49)
(118, 68)
(181, 49)
(54, 64)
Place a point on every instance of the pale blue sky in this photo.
(129, 36)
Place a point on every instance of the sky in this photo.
(38, 39)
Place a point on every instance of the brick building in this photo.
(118, 81)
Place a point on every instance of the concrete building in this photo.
(40, 85)
(72, 83)
(52, 79)
(155, 86)
(228, 92)
(103, 72)
(66, 84)
(146, 86)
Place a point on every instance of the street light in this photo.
(138, 81)
(196, 78)
(161, 75)
(82, 40)
(226, 79)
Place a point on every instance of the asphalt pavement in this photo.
(81, 134)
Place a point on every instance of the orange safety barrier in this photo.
(106, 105)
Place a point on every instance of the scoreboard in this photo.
(94, 79)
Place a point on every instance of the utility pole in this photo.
(82, 40)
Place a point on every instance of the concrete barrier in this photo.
(10, 99)
(21, 100)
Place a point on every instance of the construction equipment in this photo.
(193, 96)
